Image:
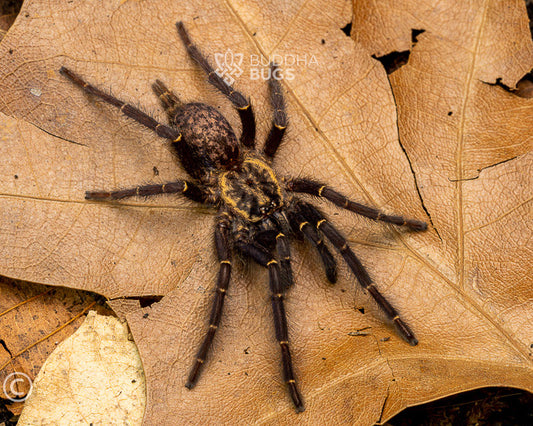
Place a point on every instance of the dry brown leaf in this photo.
(33, 320)
(470, 146)
(8, 13)
(93, 377)
(5, 23)
(469, 309)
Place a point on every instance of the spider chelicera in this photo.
(257, 209)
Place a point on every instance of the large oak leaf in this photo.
(470, 143)
(344, 131)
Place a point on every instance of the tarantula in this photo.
(257, 211)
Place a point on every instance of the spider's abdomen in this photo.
(208, 141)
(253, 191)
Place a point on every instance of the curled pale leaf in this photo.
(33, 320)
(95, 376)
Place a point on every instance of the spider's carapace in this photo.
(252, 191)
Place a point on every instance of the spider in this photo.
(257, 209)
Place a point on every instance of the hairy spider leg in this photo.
(282, 335)
(278, 223)
(222, 242)
(263, 257)
(284, 251)
(318, 189)
(310, 212)
(309, 230)
(280, 120)
(243, 106)
(127, 109)
(168, 99)
(187, 188)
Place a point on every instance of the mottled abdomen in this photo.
(253, 191)
(208, 141)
